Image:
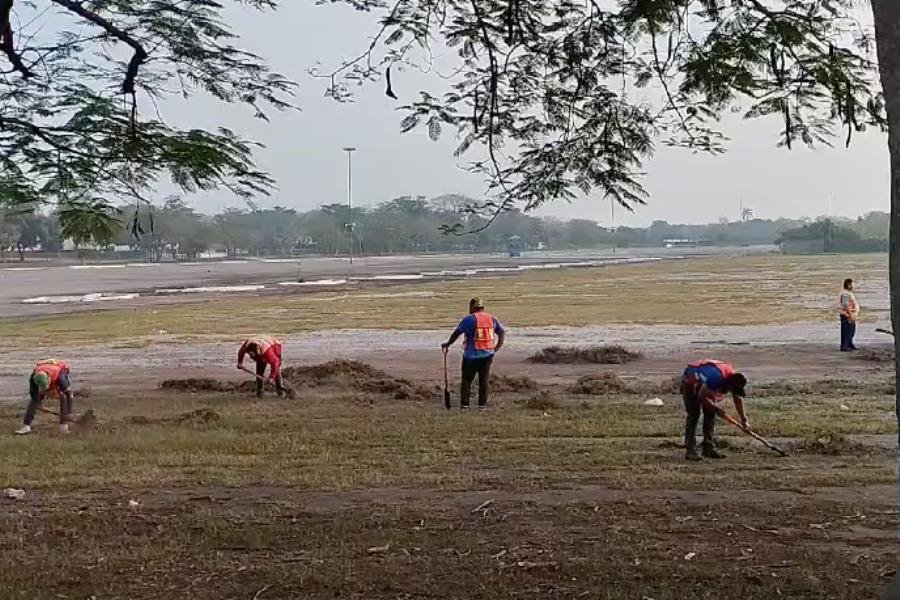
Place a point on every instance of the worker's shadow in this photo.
(893, 592)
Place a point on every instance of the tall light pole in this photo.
(350, 150)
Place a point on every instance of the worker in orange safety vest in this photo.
(703, 385)
(50, 377)
(265, 351)
(479, 328)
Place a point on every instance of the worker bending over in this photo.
(49, 377)
(479, 328)
(265, 352)
(703, 386)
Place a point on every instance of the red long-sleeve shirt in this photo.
(271, 357)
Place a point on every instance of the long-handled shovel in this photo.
(290, 391)
(749, 432)
(446, 383)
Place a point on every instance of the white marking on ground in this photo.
(317, 282)
(95, 297)
(82, 267)
(26, 269)
(394, 277)
(222, 289)
(398, 295)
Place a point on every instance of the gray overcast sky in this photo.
(303, 149)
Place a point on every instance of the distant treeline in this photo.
(402, 225)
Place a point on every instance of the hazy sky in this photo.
(303, 149)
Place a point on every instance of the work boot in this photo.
(23, 430)
(691, 455)
(710, 451)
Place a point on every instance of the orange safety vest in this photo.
(484, 331)
(53, 368)
(724, 368)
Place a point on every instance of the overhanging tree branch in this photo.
(7, 42)
(137, 59)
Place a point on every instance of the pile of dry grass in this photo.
(543, 400)
(513, 384)
(359, 377)
(831, 444)
(199, 384)
(328, 372)
(600, 385)
(599, 355)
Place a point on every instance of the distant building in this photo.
(686, 243)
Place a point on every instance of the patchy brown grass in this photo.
(346, 374)
(831, 444)
(794, 288)
(274, 542)
(341, 494)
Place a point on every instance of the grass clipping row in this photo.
(596, 355)
(346, 374)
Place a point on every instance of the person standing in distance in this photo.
(849, 310)
(479, 327)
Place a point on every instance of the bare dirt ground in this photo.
(363, 486)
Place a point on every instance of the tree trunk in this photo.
(887, 35)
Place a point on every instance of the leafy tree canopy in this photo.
(72, 131)
(568, 97)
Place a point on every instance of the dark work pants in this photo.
(471, 368)
(693, 407)
(65, 399)
(260, 379)
(848, 331)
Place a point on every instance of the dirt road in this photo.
(764, 353)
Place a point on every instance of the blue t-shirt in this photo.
(707, 374)
(466, 327)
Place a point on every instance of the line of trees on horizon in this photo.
(402, 225)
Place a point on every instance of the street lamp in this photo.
(350, 150)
